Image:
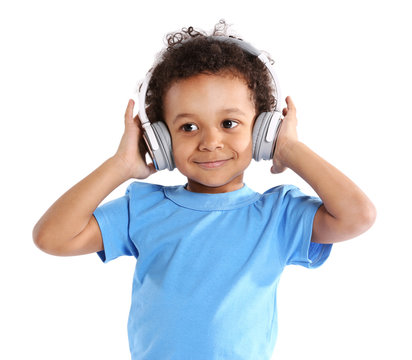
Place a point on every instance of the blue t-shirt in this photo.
(208, 266)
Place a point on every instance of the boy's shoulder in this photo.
(139, 191)
(289, 197)
(139, 186)
(282, 191)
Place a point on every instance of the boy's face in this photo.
(210, 119)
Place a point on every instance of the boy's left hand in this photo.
(346, 211)
(287, 137)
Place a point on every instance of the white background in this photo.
(67, 70)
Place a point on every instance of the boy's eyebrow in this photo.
(233, 111)
(182, 115)
(223, 111)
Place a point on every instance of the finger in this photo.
(277, 169)
(291, 105)
(274, 169)
(128, 116)
(152, 168)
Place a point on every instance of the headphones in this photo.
(265, 130)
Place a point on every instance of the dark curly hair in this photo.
(191, 52)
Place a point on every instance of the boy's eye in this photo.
(229, 124)
(189, 127)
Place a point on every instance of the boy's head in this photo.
(192, 52)
(209, 92)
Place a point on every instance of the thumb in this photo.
(128, 116)
(290, 104)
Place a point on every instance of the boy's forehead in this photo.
(224, 93)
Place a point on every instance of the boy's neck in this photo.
(233, 185)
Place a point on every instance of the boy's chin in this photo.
(215, 186)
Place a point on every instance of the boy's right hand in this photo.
(132, 151)
(68, 227)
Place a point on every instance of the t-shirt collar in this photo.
(209, 202)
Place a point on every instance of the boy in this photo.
(209, 253)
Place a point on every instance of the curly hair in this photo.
(191, 52)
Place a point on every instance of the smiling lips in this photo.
(211, 164)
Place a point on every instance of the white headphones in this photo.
(265, 130)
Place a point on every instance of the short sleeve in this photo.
(113, 219)
(298, 213)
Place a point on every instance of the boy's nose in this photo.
(211, 140)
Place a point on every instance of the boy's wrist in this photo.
(120, 168)
(288, 153)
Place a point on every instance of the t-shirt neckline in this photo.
(210, 202)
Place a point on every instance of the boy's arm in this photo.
(346, 211)
(68, 227)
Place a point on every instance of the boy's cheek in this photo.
(181, 152)
(243, 146)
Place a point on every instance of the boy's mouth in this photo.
(211, 164)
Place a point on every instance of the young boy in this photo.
(210, 253)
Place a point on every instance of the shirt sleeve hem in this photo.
(313, 254)
(100, 218)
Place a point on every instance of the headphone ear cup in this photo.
(262, 149)
(163, 156)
